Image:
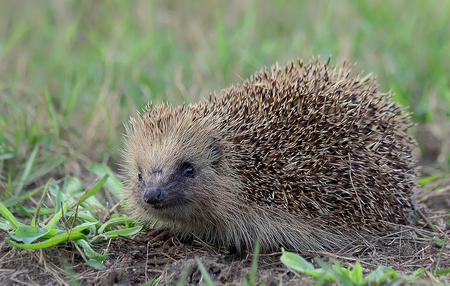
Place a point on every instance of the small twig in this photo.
(36, 213)
(131, 239)
(112, 209)
(73, 221)
(146, 262)
(434, 193)
(432, 277)
(420, 213)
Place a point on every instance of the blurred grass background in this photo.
(71, 72)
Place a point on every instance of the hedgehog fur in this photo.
(305, 156)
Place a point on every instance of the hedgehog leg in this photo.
(159, 234)
(237, 253)
(166, 236)
(162, 235)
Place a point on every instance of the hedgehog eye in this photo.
(187, 170)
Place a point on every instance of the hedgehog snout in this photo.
(154, 195)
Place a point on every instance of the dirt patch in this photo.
(136, 261)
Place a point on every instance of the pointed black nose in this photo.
(153, 196)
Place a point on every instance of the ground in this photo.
(136, 260)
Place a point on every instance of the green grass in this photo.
(70, 214)
(73, 71)
(335, 273)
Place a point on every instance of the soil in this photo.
(138, 260)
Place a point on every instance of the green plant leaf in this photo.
(295, 261)
(8, 215)
(5, 225)
(357, 273)
(298, 263)
(72, 185)
(84, 215)
(27, 233)
(122, 232)
(113, 184)
(379, 275)
(90, 252)
(95, 264)
(49, 242)
(57, 216)
(83, 226)
(114, 221)
(94, 189)
(425, 180)
(342, 275)
(417, 274)
(443, 271)
(52, 233)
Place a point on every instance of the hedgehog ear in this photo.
(216, 149)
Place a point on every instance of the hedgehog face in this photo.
(170, 166)
(167, 186)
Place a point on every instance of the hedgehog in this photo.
(308, 157)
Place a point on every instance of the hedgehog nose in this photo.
(153, 196)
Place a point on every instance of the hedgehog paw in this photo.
(159, 234)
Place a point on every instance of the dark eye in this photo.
(187, 170)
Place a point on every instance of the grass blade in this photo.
(442, 271)
(34, 220)
(70, 274)
(205, 274)
(94, 189)
(27, 170)
(254, 264)
(56, 217)
(113, 184)
(52, 113)
(114, 221)
(49, 242)
(8, 215)
(123, 232)
(13, 201)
